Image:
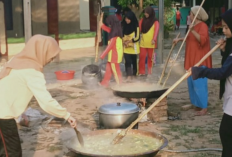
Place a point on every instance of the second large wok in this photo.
(142, 90)
(72, 144)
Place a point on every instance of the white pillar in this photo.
(84, 14)
(161, 32)
(183, 3)
(27, 19)
(230, 4)
(102, 3)
(194, 3)
(107, 2)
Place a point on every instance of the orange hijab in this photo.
(38, 51)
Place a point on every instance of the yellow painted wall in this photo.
(69, 21)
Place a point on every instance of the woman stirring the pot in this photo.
(131, 38)
(21, 78)
(197, 45)
(149, 27)
(224, 72)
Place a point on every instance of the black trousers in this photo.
(10, 145)
(226, 135)
(130, 64)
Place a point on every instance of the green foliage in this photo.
(168, 12)
(148, 2)
(169, 26)
(168, 19)
(125, 3)
(76, 36)
(15, 40)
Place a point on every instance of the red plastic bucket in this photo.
(65, 74)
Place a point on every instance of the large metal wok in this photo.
(73, 142)
(143, 93)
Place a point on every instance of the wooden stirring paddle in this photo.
(79, 137)
(98, 36)
(167, 60)
(123, 133)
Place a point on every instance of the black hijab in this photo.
(125, 10)
(148, 22)
(132, 26)
(115, 25)
(227, 17)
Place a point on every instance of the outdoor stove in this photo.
(158, 113)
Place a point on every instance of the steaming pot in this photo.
(118, 115)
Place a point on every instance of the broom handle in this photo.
(98, 33)
(167, 60)
(183, 42)
(186, 75)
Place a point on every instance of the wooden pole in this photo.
(167, 60)
(98, 34)
(3, 44)
(140, 4)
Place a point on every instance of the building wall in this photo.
(39, 17)
(73, 16)
(17, 15)
(68, 13)
(69, 16)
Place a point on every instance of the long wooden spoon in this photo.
(167, 60)
(98, 36)
(79, 137)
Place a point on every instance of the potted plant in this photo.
(168, 21)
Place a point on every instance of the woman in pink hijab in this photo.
(21, 78)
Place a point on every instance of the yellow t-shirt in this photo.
(116, 58)
(134, 49)
(146, 39)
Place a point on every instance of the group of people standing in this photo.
(130, 39)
